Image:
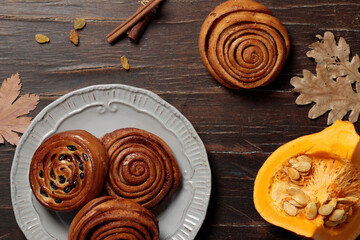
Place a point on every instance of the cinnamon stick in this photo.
(136, 31)
(131, 21)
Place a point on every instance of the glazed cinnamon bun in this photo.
(110, 217)
(68, 170)
(243, 45)
(142, 167)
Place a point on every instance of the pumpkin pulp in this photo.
(311, 185)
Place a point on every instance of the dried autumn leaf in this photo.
(74, 37)
(41, 38)
(13, 108)
(125, 63)
(79, 23)
(331, 89)
(338, 97)
(335, 57)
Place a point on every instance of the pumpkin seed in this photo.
(333, 202)
(293, 174)
(337, 215)
(302, 166)
(331, 224)
(304, 158)
(352, 199)
(343, 200)
(295, 203)
(311, 210)
(290, 209)
(301, 199)
(326, 209)
(293, 161)
(294, 191)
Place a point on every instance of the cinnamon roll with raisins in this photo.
(68, 170)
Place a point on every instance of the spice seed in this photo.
(311, 210)
(293, 174)
(290, 209)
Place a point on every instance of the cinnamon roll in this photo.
(142, 167)
(109, 217)
(242, 45)
(68, 170)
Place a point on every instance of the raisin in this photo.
(77, 157)
(53, 157)
(62, 156)
(85, 157)
(42, 192)
(52, 174)
(67, 189)
(53, 185)
(58, 200)
(62, 179)
(71, 148)
(82, 175)
(81, 166)
(41, 173)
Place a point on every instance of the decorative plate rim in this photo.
(21, 202)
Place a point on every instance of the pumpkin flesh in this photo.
(334, 159)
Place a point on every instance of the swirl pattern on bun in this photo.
(142, 167)
(68, 170)
(243, 45)
(109, 217)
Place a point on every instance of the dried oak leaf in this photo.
(338, 96)
(331, 89)
(13, 108)
(335, 57)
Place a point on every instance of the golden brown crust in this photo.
(242, 45)
(68, 170)
(142, 167)
(113, 218)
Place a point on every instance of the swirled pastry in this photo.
(68, 170)
(142, 166)
(242, 45)
(109, 217)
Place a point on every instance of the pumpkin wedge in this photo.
(311, 185)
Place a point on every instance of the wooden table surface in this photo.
(240, 128)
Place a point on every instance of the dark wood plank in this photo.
(240, 128)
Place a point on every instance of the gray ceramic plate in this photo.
(101, 109)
